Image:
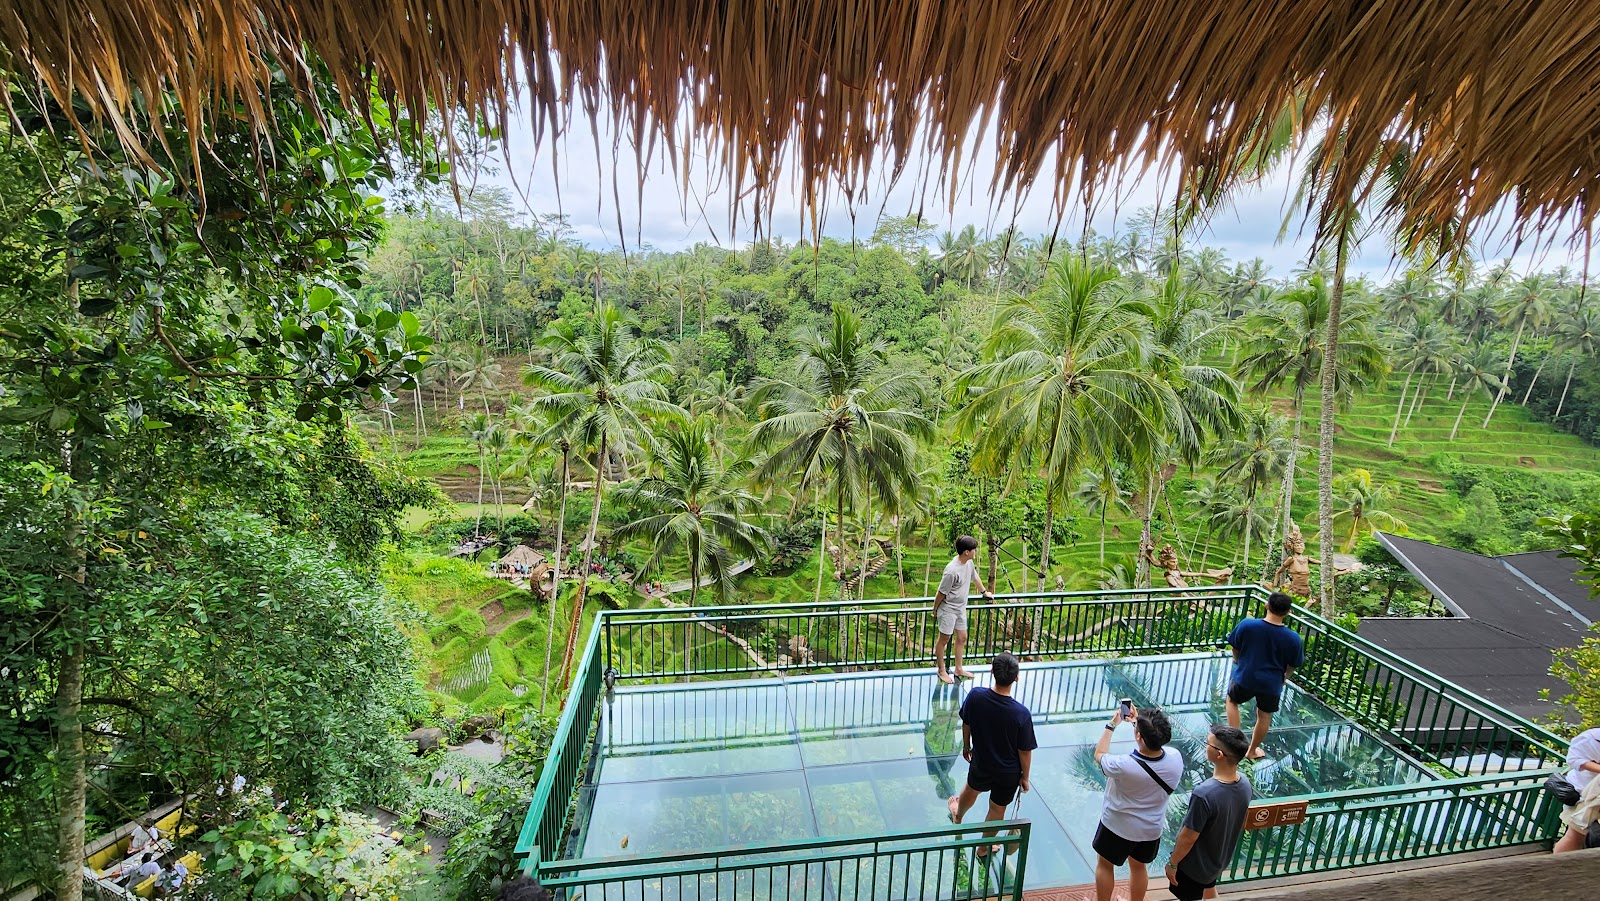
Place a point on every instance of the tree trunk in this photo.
(1142, 569)
(1563, 402)
(688, 624)
(1400, 408)
(1103, 507)
(555, 590)
(1044, 552)
(1417, 397)
(1535, 380)
(1249, 508)
(899, 556)
(1330, 357)
(576, 621)
(1294, 459)
(1451, 394)
(822, 546)
(74, 771)
(477, 525)
(866, 534)
(1505, 383)
(1466, 398)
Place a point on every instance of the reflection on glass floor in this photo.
(713, 765)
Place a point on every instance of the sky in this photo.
(598, 191)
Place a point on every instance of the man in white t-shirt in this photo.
(950, 605)
(1138, 787)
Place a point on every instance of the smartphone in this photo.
(1127, 707)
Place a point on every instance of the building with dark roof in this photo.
(1508, 617)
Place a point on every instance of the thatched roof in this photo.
(522, 554)
(1497, 99)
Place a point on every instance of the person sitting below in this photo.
(144, 834)
(144, 871)
(170, 882)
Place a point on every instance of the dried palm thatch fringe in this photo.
(1493, 99)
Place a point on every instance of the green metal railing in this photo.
(941, 863)
(1393, 824)
(649, 644)
(544, 831)
(1489, 804)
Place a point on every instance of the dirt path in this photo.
(497, 620)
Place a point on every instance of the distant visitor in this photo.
(997, 741)
(950, 605)
(1265, 653)
(1138, 786)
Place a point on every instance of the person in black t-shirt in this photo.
(997, 742)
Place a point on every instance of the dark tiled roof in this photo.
(1510, 615)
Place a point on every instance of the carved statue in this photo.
(1296, 566)
(1167, 562)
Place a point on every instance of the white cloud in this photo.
(607, 207)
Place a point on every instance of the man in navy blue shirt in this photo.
(997, 741)
(1265, 653)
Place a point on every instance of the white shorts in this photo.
(952, 618)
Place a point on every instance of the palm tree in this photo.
(1255, 455)
(606, 381)
(1363, 510)
(1474, 369)
(1287, 350)
(1068, 383)
(1527, 304)
(698, 510)
(1101, 493)
(1424, 346)
(479, 427)
(843, 422)
(1577, 334)
(1409, 297)
(481, 371)
(543, 430)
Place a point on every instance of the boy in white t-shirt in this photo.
(950, 605)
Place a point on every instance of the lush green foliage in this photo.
(322, 855)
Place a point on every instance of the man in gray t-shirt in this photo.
(950, 606)
(1217, 812)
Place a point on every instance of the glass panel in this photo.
(714, 765)
(689, 814)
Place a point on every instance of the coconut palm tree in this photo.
(479, 427)
(843, 423)
(1362, 509)
(1577, 334)
(1424, 346)
(1067, 383)
(607, 380)
(698, 510)
(1101, 493)
(540, 432)
(481, 371)
(1527, 304)
(1255, 455)
(1476, 368)
(1286, 350)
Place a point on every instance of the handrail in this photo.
(527, 838)
(745, 852)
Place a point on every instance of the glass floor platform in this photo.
(714, 765)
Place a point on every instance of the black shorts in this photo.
(1187, 888)
(1117, 849)
(1002, 787)
(1264, 702)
